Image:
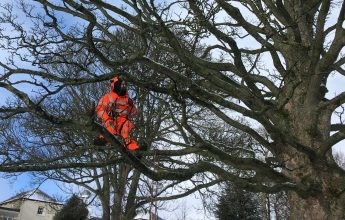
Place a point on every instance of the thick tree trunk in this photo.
(320, 192)
(315, 208)
(319, 181)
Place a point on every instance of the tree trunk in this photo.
(120, 190)
(104, 197)
(131, 202)
(315, 208)
(106, 212)
(320, 182)
(321, 190)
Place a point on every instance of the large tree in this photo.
(266, 61)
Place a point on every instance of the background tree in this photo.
(236, 203)
(275, 206)
(263, 65)
(75, 208)
(340, 159)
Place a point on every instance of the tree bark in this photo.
(315, 207)
(320, 181)
(105, 198)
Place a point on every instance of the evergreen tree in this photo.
(237, 204)
(74, 209)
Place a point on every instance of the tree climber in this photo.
(115, 109)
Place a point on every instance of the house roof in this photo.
(34, 194)
(9, 209)
(146, 216)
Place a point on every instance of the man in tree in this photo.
(115, 109)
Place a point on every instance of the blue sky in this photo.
(12, 186)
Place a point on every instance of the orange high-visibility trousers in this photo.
(124, 128)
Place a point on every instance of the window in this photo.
(40, 210)
(6, 218)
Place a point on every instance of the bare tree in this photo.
(268, 61)
(275, 206)
(339, 157)
(183, 211)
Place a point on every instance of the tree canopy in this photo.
(256, 67)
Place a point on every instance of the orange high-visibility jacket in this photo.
(112, 105)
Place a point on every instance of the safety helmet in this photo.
(113, 81)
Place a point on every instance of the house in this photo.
(30, 205)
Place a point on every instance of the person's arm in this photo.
(102, 110)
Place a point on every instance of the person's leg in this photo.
(124, 128)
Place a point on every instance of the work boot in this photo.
(100, 141)
(131, 144)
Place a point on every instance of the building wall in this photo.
(29, 210)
